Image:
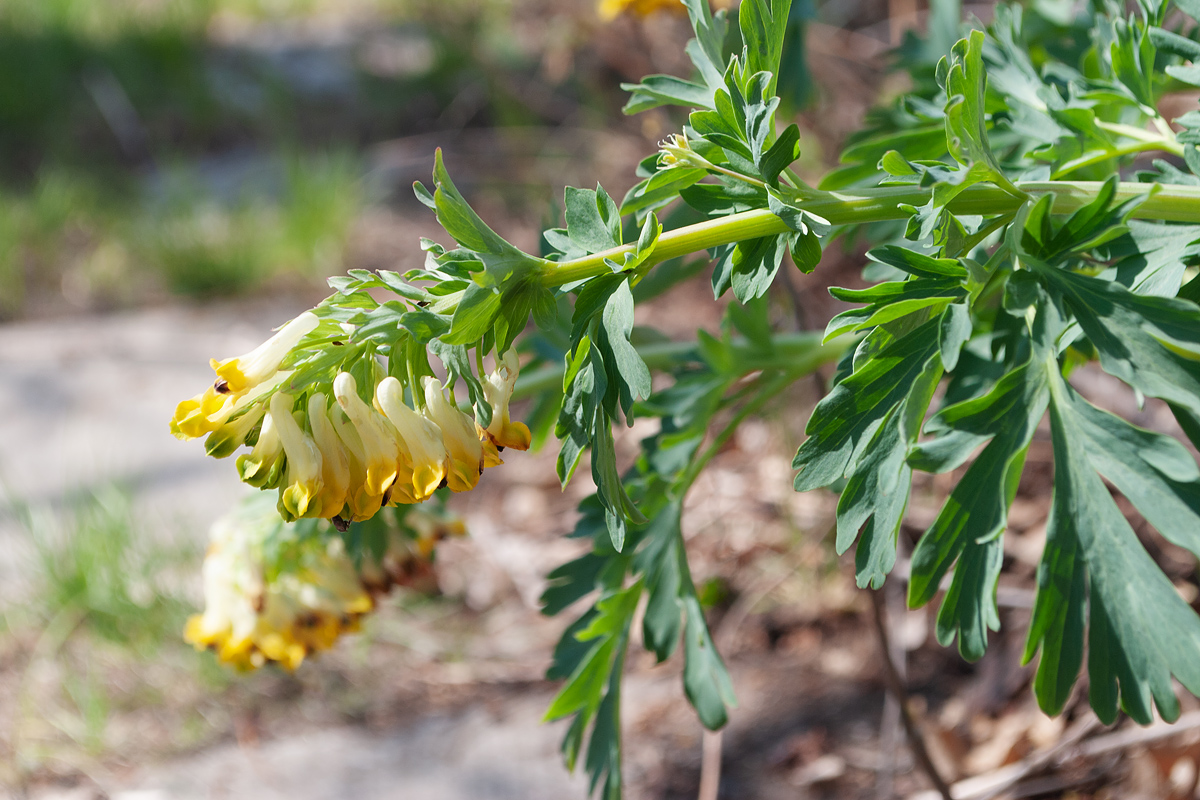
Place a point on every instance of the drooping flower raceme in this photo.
(343, 439)
(274, 593)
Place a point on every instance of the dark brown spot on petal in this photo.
(221, 386)
(445, 482)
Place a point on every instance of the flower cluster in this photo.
(298, 600)
(340, 450)
(611, 9)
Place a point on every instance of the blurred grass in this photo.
(115, 115)
(98, 635)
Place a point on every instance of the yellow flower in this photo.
(459, 437)
(360, 502)
(380, 455)
(212, 408)
(201, 414)
(249, 621)
(247, 371)
(497, 390)
(261, 467)
(422, 441)
(611, 9)
(335, 467)
(302, 475)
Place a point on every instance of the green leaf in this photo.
(458, 366)
(618, 507)
(954, 332)
(1132, 55)
(1175, 44)
(661, 564)
(966, 117)
(748, 267)
(585, 384)
(890, 301)
(626, 368)
(1148, 342)
(707, 49)
(805, 249)
(590, 219)
(847, 417)
(976, 513)
(727, 197)
(655, 91)
(461, 222)
(918, 264)
(763, 24)
(1130, 660)
(876, 496)
(780, 155)
(1059, 612)
(660, 189)
(1155, 472)
(424, 325)
(457, 217)
(475, 315)
(586, 686)
(1150, 257)
(706, 682)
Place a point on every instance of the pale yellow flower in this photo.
(458, 435)
(247, 371)
(497, 390)
(335, 466)
(214, 407)
(381, 455)
(249, 621)
(302, 475)
(360, 502)
(422, 440)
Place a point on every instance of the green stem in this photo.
(1169, 203)
(1139, 146)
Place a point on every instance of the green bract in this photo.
(1013, 244)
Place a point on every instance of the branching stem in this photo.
(1168, 203)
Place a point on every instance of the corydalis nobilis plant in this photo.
(1031, 210)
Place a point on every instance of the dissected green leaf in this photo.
(1132, 604)
(845, 420)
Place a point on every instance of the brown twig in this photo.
(896, 686)
(710, 766)
(889, 726)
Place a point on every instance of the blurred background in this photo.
(179, 176)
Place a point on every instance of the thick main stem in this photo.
(1167, 203)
